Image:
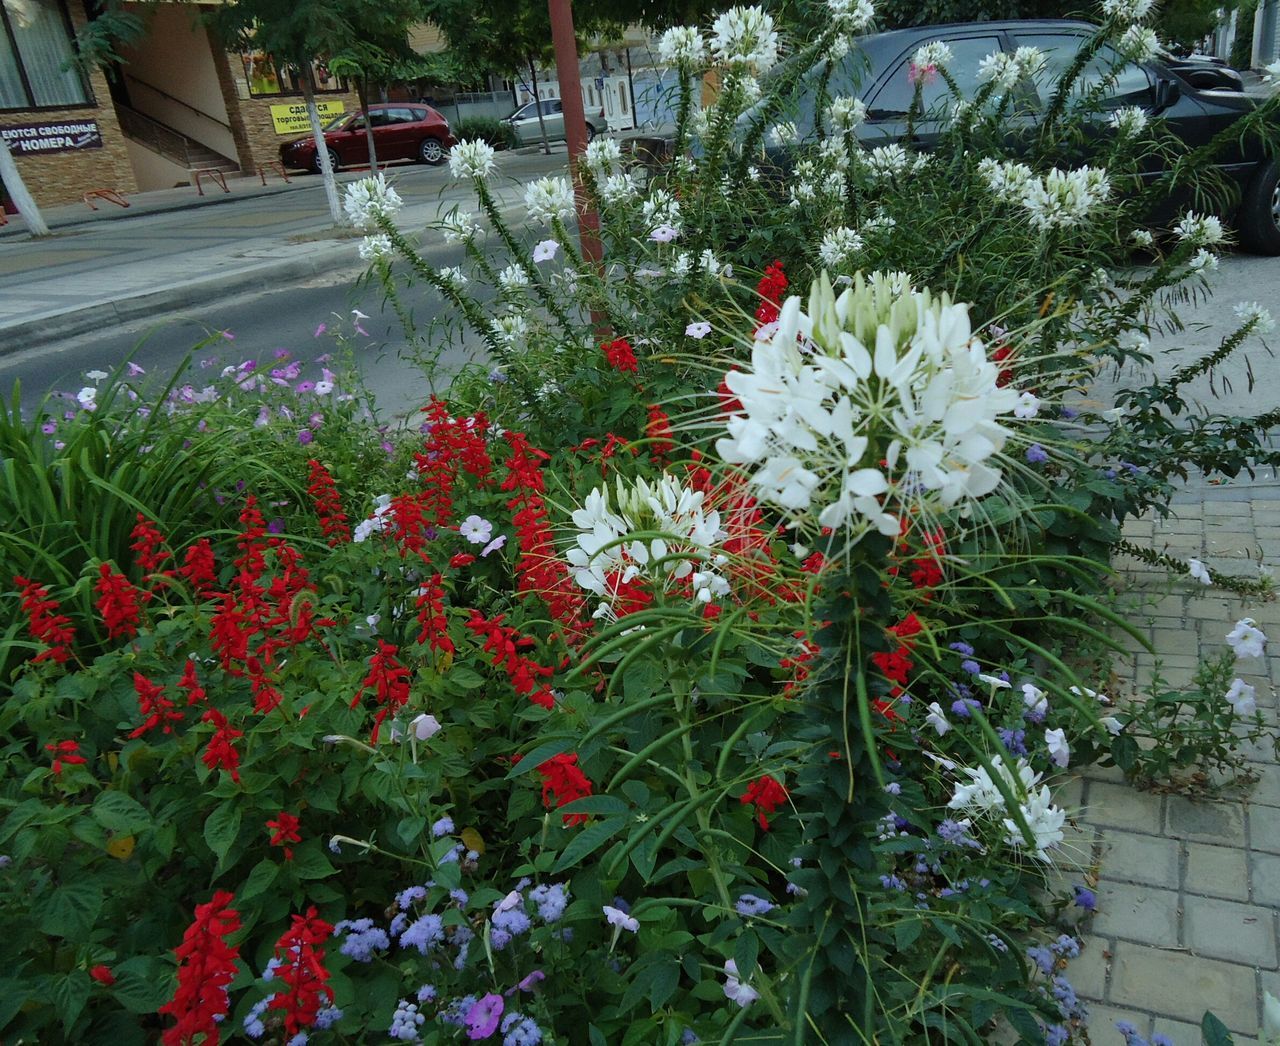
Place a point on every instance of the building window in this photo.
(266, 77)
(37, 56)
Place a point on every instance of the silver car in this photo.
(524, 121)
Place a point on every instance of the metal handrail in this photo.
(164, 140)
(179, 101)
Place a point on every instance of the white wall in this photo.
(152, 170)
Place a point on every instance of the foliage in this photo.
(487, 129)
(1242, 45)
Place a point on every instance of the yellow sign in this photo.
(292, 119)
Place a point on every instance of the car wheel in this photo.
(1259, 219)
(333, 162)
(431, 151)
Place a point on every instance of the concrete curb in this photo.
(42, 330)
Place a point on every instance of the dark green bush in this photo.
(492, 130)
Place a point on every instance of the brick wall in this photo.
(55, 178)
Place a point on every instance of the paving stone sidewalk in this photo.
(1189, 897)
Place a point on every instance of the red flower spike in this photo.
(156, 709)
(620, 355)
(284, 830)
(562, 783)
(301, 970)
(328, 504)
(103, 975)
(65, 753)
(659, 431)
(44, 621)
(206, 965)
(506, 645)
(200, 569)
(117, 603)
(220, 753)
(390, 682)
(432, 622)
(190, 685)
(147, 545)
(771, 288)
(766, 794)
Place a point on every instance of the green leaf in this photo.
(221, 829)
(70, 910)
(13, 996)
(263, 875)
(465, 678)
(310, 862)
(746, 951)
(595, 804)
(534, 758)
(587, 841)
(143, 984)
(70, 993)
(907, 932)
(118, 812)
(1214, 1031)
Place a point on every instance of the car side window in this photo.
(893, 99)
(524, 112)
(419, 114)
(1131, 86)
(400, 116)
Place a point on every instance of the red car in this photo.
(401, 131)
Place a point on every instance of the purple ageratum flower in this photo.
(551, 900)
(997, 942)
(406, 1021)
(497, 377)
(962, 648)
(483, 1017)
(510, 923)
(971, 666)
(456, 1012)
(1014, 741)
(1066, 413)
(361, 938)
(1056, 1035)
(892, 882)
(1085, 898)
(328, 1017)
(425, 933)
(1036, 454)
(442, 827)
(749, 905)
(405, 898)
(1043, 958)
(963, 707)
(519, 1030)
(427, 993)
(1066, 946)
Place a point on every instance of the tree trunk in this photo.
(542, 124)
(322, 150)
(362, 90)
(17, 190)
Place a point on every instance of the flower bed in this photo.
(698, 669)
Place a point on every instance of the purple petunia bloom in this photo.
(483, 1017)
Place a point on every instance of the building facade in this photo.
(179, 103)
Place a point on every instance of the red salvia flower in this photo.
(284, 830)
(324, 495)
(390, 682)
(103, 975)
(620, 355)
(799, 664)
(506, 645)
(766, 794)
(434, 625)
(157, 710)
(65, 753)
(190, 685)
(200, 569)
(220, 753)
(45, 623)
(451, 444)
(729, 402)
(117, 603)
(658, 429)
(460, 560)
(252, 542)
(771, 288)
(301, 970)
(207, 964)
(148, 545)
(562, 783)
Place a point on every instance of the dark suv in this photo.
(878, 72)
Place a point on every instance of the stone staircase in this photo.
(173, 145)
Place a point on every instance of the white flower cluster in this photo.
(745, 36)
(888, 161)
(513, 277)
(549, 200)
(851, 16)
(471, 159)
(509, 330)
(1058, 200)
(682, 46)
(1245, 640)
(1127, 10)
(1130, 121)
(844, 114)
(1259, 316)
(1200, 230)
(782, 134)
(839, 246)
(661, 209)
(375, 247)
(1138, 43)
(867, 406)
(618, 188)
(602, 156)
(1007, 69)
(981, 797)
(1203, 261)
(606, 555)
(368, 200)
(931, 55)
(453, 276)
(375, 523)
(459, 226)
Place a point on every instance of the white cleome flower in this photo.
(1127, 10)
(851, 16)
(1062, 199)
(513, 277)
(845, 114)
(1247, 639)
(932, 54)
(549, 200)
(1129, 121)
(368, 200)
(981, 795)
(868, 406)
(607, 557)
(453, 276)
(509, 330)
(1005, 180)
(683, 46)
(1203, 261)
(602, 156)
(884, 161)
(839, 246)
(1142, 238)
(784, 133)
(618, 188)
(471, 159)
(459, 226)
(375, 247)
(1138, 43)
(745, 36)
(1200, 230)
(1242, 697)
(1001, 69)
(661, 210)
(1252, 312)
(1045, 821)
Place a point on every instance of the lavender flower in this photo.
(749, 905)
(519, 1030)
(962, 648)
(551, 900)
(1043, 958)
(442, 827)
(361, 938)
(406, 1021)
(425, 933)
(1085, 898)
(1036, 454)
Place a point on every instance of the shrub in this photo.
(487, 129)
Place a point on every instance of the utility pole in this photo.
(575, 123)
